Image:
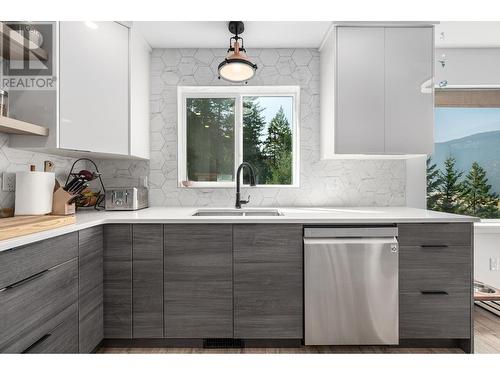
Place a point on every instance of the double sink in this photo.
(238, 212)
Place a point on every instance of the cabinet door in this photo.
(268, 281)
(359, 127)
(94, 87)
(147, 273)
(90, 280)
(118, 281)
(409, 99)
(198, 281)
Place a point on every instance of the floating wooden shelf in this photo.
(15, 47)
(13, 126)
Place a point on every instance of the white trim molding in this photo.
(236, 92)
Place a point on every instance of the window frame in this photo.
(238, 93)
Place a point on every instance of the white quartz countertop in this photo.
(183, 215)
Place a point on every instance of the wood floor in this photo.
(486, 332)
(486, 327)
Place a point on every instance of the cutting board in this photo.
(22, 225)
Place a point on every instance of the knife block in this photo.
(60, 205)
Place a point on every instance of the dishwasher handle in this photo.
(392, 241)
(354, 240)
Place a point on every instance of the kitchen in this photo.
(222, 191)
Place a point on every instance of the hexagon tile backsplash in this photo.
(322, 182)
(13, 160)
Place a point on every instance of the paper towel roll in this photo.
(34, 191)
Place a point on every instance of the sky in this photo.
(454, 123)
(272, 105)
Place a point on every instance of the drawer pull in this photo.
(426, 292)
(24, 281)
(433, 246)
(37, 342)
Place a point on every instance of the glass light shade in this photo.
(236, 70)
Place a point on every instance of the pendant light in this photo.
(236, 67)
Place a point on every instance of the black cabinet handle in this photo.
(426, 292)
(433, 246)
(37, 342)
(24, 281)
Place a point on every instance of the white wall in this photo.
(486, 247)
(468, 66)
(416, 181)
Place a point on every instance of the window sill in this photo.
(233, 186)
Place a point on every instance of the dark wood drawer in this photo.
(436, 234)
(441, 268)
(63, 338)
(435, 316)
(27, 306)
(22, 262)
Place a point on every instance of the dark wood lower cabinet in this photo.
(435, 282)
(118, 281)
(147, 260)
(268, 281)
(198, 281)
(90, 305)
(210, 281)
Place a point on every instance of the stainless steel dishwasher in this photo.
(351, 286)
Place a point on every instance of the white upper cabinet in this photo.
(378, 98)
(102, 101)
(359, 127)
(94, 87)
(409, 99)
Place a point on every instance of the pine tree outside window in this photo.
(220, 127)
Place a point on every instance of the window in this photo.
(220, 127)
(464, 172)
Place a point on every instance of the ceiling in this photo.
(298, 34)
(468, 34)
(214, 34)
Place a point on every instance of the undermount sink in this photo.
(237, 212)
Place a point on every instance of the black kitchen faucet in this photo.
(251, 170)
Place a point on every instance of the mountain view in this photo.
(484, 148)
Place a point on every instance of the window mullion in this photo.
(238, 133)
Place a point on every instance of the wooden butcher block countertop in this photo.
(22, 225)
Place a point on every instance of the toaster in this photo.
(126, 198)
